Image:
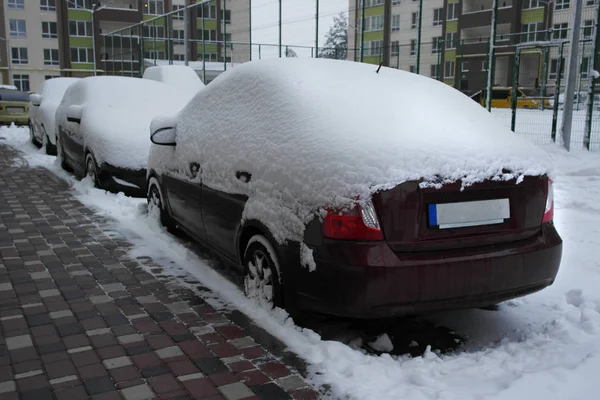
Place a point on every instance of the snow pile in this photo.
(116, 116)
(181, 77)
(52, 92)
(382, 343)
(315, 132)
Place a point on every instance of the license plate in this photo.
(469, 213)
(15, 109)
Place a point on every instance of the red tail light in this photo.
(358, 223)
(549, 210)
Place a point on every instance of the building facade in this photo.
(455, 39)
(49, 38)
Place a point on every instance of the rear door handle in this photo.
(243, 176)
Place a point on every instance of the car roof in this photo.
(13, 95)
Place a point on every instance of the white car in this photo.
(103, 125)
(42, 109)
(181, 77)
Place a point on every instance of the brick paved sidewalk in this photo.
(79, 319)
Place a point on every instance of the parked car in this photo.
(102, 125)
(502, 98)
(181, 77)
(42, 110)
(359, 209)
(14, 106)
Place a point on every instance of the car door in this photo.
(184, 193)
(222, 216)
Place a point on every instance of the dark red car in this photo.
(327, 217)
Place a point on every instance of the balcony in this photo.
(478, 13)
(476, 39)
(474, 6)
(131, 5)
(119, 10)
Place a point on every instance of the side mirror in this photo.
(36, 99)
(164, 137)
(163, 130)
(74, 114)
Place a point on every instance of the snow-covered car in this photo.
(356, 208)
(102, 126)
(42, 109)
(181, 77)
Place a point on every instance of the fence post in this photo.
(317, 30)
(362, 31)
(588, 117)
(460, 65)
(515, 86)
(186, 35)
(224, 36)
(250, 27)
(141, 42)
(419, 32)
(131, 51)
(104, 54)
(491, 56)
(546, 56)
(112, 45)
(121, 50)
(203, 47)
(280, 11)
(559, 68)
(438, 75)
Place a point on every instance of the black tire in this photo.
(61, 155)
(32, 136)
(49, 147)
(155, 199)
(91, 169)
(266, 275)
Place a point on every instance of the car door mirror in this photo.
(164, 137)
(74, 114)
(36, 99)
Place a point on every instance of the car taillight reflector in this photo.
(549, 209)
(358, 223)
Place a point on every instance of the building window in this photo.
(560, 31)
(412, 69)
(376, 47)
(395, 2)
(452, 14)
(178, 16)
(81, 4)
(210, 11)
(48, 5)
(413, 47)
(395, 48)
(371, 3)
(21, 82)
(209, 35)
(532, 32)
(450, 40)
(414, 21)
(588, 28)
(527, 4)
(591, 2)
(562, 4)
(153, 31)
(436, 45)
(438, 16)
(585, 67)
(154, 7)
(16, 4)
(449, 69)
(51, 57)
(19, 55)
(154, 55)
(554, 65)
(81, 55)
(178, 34)
(48, 77)
(395, 23)
(435, 71)
(464, 66)
(80, 28)
(49, 30)
(17, 28)
(374, 23)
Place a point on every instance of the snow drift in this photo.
(181, 77)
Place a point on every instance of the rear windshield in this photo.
(14, 96)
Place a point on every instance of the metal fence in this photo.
(520, 77)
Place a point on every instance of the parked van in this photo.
(502, 98)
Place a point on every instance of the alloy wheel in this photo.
(258, 280)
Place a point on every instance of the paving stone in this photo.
(18, 342)
(291, 382)
(49, 293)
(60, 314)
(211, 365)
(5, 286)
(28, 374)
(236, 391)
(133, 338)
(169, 352)
(164, 384)
(190, 377)
(37, 394)
(99, 385)
(140, 392)
(117, 362)
(270, 391)
(154, 371)
(100, 299)
(38, 319)
(200, 388)
(8, 386)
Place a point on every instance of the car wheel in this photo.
(261, 278)
(60, 154)
(90, 169)
(155, 199)
(50, 148)
(32, 136)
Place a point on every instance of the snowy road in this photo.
(544, 346)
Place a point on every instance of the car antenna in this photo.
(380, 64)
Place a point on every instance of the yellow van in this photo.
(502, 98)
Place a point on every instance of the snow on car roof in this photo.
(55, 88)
(181, 77)
(322, 132)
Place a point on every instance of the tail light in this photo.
(357, 223)
(549, 210)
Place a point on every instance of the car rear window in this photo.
(14, 96)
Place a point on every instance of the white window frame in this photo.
(51, 60)
(587, 24)
(48, 5)
(585, 72)
(558, 29)
(85, 26)
(17, 32)
(376, 48)
(395, 51)
(49, 34)
(562, 4)
(450, 43)
(438, 19)
(179, 16)
(434, 71)
(436, 44)
(151, 7)
(22, 55)
(80, 4)
(154, 54)
(89, 56)
(530, 4)
(451, 13)
(413, 47)
(15, 4)
(453, 66)
(462, 66)
(19, 81)
(414, 20)
(395, 23)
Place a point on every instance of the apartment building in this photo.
(49, 38)
(455, 39)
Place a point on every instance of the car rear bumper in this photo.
(130, 182)
(369, 280)
(17, 119)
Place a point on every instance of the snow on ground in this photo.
(546, 345)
